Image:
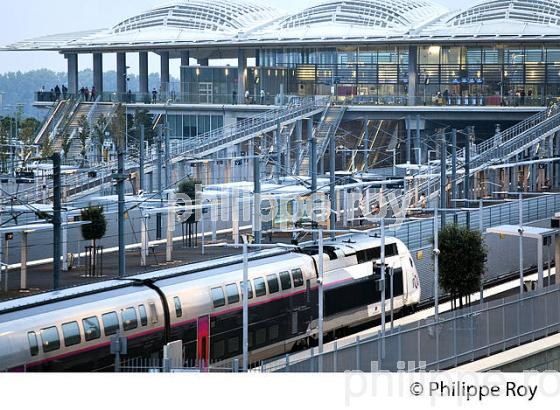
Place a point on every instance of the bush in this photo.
(98, 226)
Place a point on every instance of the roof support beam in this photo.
(412, 74)
(241, 76)
(98, 72)
(121, 74)
(165, 77)
(143, 72)
(72, 60)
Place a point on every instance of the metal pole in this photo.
(278, 165)
(257, 199)
(409, 141)
(418, 140)
(521, 273)
(481, 228)
(443, 175)
(436, 262)
(167, 156)
(313, 174)
(453, 167)
(320, 283)
(391, 273)
(120, 193)
(142, 156)
(466, 181)
(332, 171)
(245, 306)
(366, 146)
(159, 182)
(57, 219)
(382, 283)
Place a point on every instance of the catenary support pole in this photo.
(121, 204)
(321, 300)
(57, 219)
(142, 157)
(521, 267)
(332, 182)
(245, 289)
(257, 199)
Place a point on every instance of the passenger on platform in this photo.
(93, 93)
(247, 97)
(57, 92)
(86, 94)
(234, 97)
(263, 95)
(64, 91)
(83, 93)
(522, 95)
(129, 97)
(154, 96)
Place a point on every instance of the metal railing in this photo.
(458, 337)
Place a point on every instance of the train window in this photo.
(285, 280)
(178, 307)
(373, 254)
(219, 349)
(50, 338)
(91, 328)
(218, 297)
(153, 313)
(33, 345)
(129, 319)
(273, 285)
(143, 315)
(260, 336)
(260, 287)
(110, 323)
(71, 333)
(297, 274)
(249, 289)
(273, 332)
(232, 293)
(233, 345)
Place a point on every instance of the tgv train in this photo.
(201, 305)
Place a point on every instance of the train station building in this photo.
(362, 52)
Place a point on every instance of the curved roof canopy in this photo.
(525, 11)
(387, 14)
(200, 15)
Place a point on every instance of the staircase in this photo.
(332, 117)
(498, 149)
(92, 111)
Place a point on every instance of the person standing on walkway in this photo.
(154, 96)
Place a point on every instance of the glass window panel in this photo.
(232, 293)
(50, 338)
(260, 287)
(218, 297)
(92, 330)
(110, 323)
(297, 275)
(178, 307)
(273, 285)
(71, 333)
(286, 280)
(143, 315)
(33, 345)
(129, 319)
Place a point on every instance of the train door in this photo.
(203, 341)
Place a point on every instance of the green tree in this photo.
(66, 142)
(83, 135)
(188, 187)
(98, 134)
(118, 126)
(462, 261)
(95, 230)
(47, 149)
(28, 130)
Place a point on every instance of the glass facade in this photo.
(446, 75)
(187, 126)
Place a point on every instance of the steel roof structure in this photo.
(207, 23)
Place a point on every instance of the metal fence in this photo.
(458, 337)
(158, 365)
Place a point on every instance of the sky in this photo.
(24, 19)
